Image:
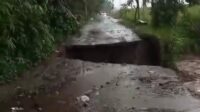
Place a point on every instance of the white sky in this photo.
(118, 3)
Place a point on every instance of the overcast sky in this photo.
(118, 3)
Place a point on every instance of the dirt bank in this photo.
(143, 52)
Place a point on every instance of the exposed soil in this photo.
(189, 72)
(143, 52)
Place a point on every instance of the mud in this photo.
(189, 72)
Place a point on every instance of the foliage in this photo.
(128, 14)
(191, 23)
(137, 9)
(107, 6)
(177, 39)
(193, 2)
(29, 31)
(86, 7)
(164, 12)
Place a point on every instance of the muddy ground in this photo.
(69, 85)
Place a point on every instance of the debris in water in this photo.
(117, 84)
(83, 99)
(152, 72)
(138, 88)
(133, 108)
(107, 83)
(15, 109)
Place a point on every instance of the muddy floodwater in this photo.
(77, 82)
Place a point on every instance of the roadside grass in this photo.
(128, 14)
(182, 38)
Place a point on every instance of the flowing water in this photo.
(109, 84)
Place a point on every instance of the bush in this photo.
(165, 12)
(27, 33)
(181, 37)
(191, 20)
(128, 15)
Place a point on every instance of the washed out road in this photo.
(68, 85)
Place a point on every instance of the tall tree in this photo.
(107, 6)
(137, 9)
(144, 3)
(164, 12)
(85, 7)
(193, 2)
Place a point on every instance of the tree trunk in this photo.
(86, 9)
(137, 11)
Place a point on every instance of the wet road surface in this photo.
(105, 30)
(65, 85)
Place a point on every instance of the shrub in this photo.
(28, 33)
(164, 12)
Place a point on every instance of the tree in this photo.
(193, 2)
(144, 3)
(85, 8)
(107, 6)
(137, 9)
(164, 12)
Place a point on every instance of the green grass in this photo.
(128, 14)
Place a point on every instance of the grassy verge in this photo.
(182, 38)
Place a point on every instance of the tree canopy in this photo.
(193, 2)
(164, 12)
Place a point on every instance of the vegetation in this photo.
(165, 12)
(177, 28)
(193, 2)
(30, 29)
